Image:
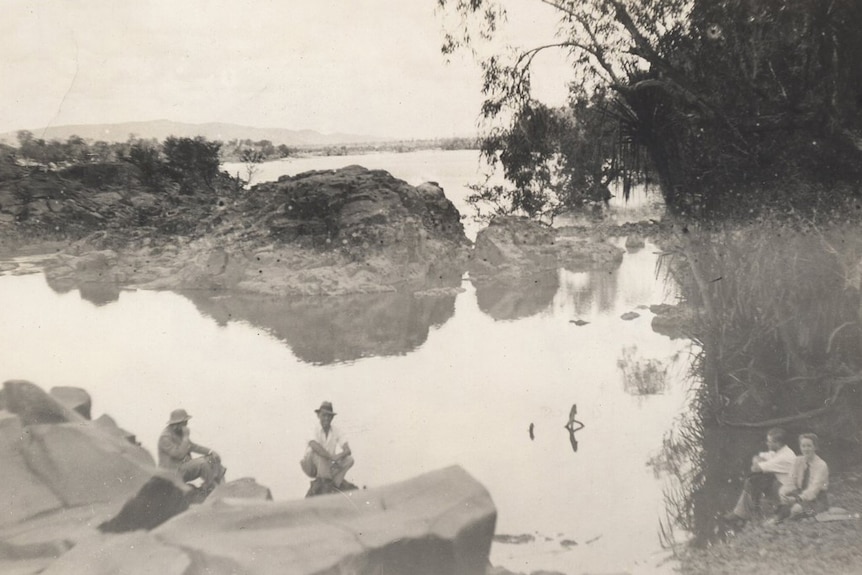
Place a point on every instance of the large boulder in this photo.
(33, 406)
(25, 495)
(74, 398)
(513, 247)
(360, 211)
(441, 523)
(61, 475)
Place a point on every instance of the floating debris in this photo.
(514, 539)
(573, 425)
(630, 315)
(578, 322)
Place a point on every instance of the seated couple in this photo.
(327, 458)
(800, 482)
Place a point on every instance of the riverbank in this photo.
(793, 547)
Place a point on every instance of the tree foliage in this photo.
(724, 96)
(191, 161)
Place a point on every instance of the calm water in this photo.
(418, 384)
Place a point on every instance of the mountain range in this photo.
(161, 129)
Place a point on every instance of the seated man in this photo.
(805, 494)
(770, 471)
(327, 458)
(175, 449)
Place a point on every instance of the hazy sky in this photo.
(369, 67)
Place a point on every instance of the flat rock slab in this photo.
(438, 523)
(24, 495)
(136, 553)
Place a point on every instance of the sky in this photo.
(370, 67)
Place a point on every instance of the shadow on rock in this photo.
(158, 500)
(331, 329)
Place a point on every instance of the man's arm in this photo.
(320, 450)
(333, 457)
(345, 451)
(196, 448)
(775, 465)
(177, 450)
(780, 463)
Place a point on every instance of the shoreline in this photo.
(802, 547)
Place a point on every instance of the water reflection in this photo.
(586, 293)
(322, 330)
(641, 375)
(97, 293)
(591, 291)
(518, 297)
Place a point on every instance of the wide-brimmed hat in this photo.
(325, 407)
(178, 416)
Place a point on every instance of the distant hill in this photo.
(161, 129)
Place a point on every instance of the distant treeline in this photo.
(186, 163)
(400, 146)
(77, 150)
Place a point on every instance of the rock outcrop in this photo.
(63, 475)
(441, 523)
(514, 247)
(60, 475)
(351, 230)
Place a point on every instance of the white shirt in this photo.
(779, 463)
(334, 441)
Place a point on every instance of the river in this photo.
(418, 383)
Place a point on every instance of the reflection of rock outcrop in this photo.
(330, 329)
(515, 299)
(516, 261)
(93, 274)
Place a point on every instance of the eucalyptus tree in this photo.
(730, 99)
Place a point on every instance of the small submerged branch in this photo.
(776, 421)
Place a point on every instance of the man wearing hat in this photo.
(328, 454)
(175, 449)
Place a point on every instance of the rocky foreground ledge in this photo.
(64, 475)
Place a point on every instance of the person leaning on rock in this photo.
(328, 456)
(770, 471)
(175, 453)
